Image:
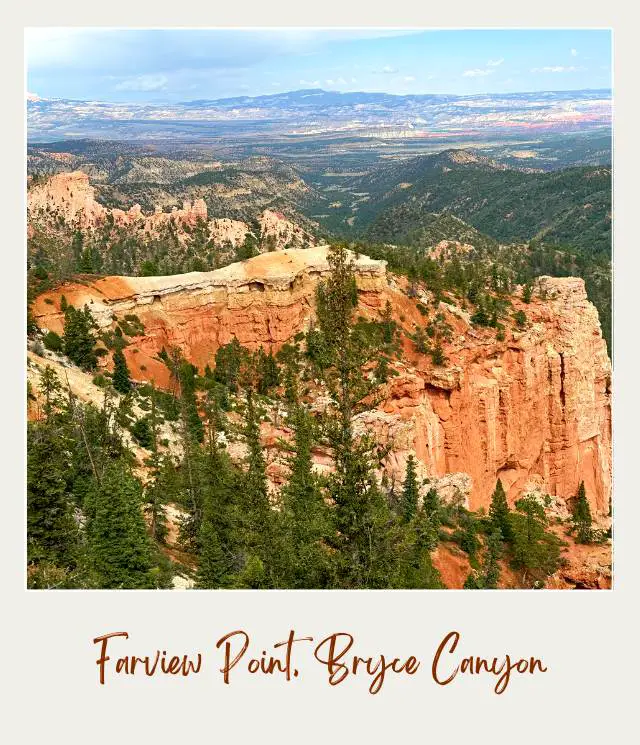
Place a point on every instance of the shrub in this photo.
(520, 318)
(142, 433)
(52, 341)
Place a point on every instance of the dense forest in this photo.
(97, 516)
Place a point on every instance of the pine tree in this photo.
(79, 341)
(491, 567)
(121, 381)
(193, 423)
(52, 534)
(217, 550)
(410, 492)
(228, 361)
(431, 504)
(118, 544)
(534, 550)
(50, 388)
(304, 516)
(469, 534)
(581, 516)
(388, 324)
(268, 373)
(257, 537)
(368, 543)
(499, 512)
(214, 564)
(156, 496)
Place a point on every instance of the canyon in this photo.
(533, 409)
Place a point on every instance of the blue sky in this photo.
(179, 64)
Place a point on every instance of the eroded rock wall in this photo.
(532, 410)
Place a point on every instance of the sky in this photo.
(172, 65)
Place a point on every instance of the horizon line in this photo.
(308, 90)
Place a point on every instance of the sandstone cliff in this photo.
(70, 197)
(532, 410)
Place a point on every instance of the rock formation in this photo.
(532, 410)
(71, 197)
(276, 232)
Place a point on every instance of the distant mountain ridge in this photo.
(296, 111)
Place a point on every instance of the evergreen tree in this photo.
(156, 497)
(256, 522)
(499, 512)
(119, 547)
(121, 381)
(422, 574)
(388, 324)
(581, 517)
(218, 553)
(228, 361)
(77, 248)
(268, 373)
(52, 534)
(214, 564)
(432, 505)
(368, 543)
(491, 568)
(50, 388)
(410, 492)
(468, 535)
(305, 517)
(193, 423)
(534, 550)
(79, 340)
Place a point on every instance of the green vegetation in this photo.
(79, 340)
(86, 505)
(581, 517)
(87, 508)
(121, 381)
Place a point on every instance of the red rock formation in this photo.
(532, 410)
(71, 197)
(276, 232)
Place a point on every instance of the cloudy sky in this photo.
(181, 65)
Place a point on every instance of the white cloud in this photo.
(310, 83)
(574, 52)
(495, 62)
(476, 73)
(386, 70)
(354, 80)
(143, 83)
(409, 79)
(557, 68)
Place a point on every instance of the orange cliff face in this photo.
(532, 410)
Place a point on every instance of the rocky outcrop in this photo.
(226, 232)
(277, 232)
(70, 197)
(532, 410)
